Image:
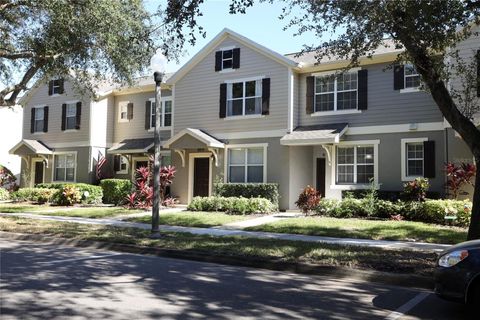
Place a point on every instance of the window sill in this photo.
(408, 90)
(62, 181)
(71, 130)
(349, 186)
(38, 133)
(250, 116)
(161, 128)
(410, 178)
(122, 172)
(332, 113)
(123, 120)
(55, 95)
(227, 70)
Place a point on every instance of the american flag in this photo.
(98, 170)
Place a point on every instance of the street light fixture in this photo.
(157, 65)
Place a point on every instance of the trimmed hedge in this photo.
(39, 195)
(267, 191)
(384, 194)
(430, 211)
(95, 193)
(4, 194)
(231, 205)
(115, 190)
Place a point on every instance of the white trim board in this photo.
(251, 134)
(246, 146)
(403, 159)
(396, 128)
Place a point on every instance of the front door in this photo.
(38, 172)
(321, 176)
(201, 177)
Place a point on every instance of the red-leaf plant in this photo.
(459, 176)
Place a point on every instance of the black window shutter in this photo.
(223, 100)
(116, 163)
(32, 121)
(64, 115)
(266, 96)
(50, 87)
(362, 89)
(429, 159)
(310, 99)
(148, 113)
(478, 73)
(78, 116)
(218, 60)
(45, 119)
(236, 58)
(60, 83)
(130, 111)
(398, 77)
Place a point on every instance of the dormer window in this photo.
(55, 86)
(227, 59)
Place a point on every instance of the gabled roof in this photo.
(227, 33)
(132, 146)
(37, 147)
(314, 135)
(199, 135)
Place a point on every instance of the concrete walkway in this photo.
(148, 213)
(221, 232)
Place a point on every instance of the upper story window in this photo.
(334, 93)
(412, 78)
(55, 86)
(38, 121)
(244, 98)
(126, 112)
(71, 116)
(64, 165)
(227, 59)
(246, 165)
(355, 164)
(165, 112)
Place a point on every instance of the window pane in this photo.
(123, 115)
(347, 81)
(70, 174)
(237, 174)
(60, 174)
(324, 84)
(364, 173)
(70, 161)
(345, 155)
(412, 82)
(235, 107)
(255, 156)
(237, 90)
(227, 64)
(364, 155)
(227, 54)
(252, 106)
(59, 161)
(237, 156)
(415, 168)
(347, 100)
(415, 150)
(38, 113)
(38, 126)
(70, 123)
(410, 69)
(324, 102)
(255, 174)
(250, 88)
(168, 106)
(345, 174)
(71, 110)
(166, 160)
(153, 120)
(168, 120)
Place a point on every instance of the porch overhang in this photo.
(192, 139)
(28, 147)
(129, 146)
(315, 135)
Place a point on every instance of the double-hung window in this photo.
(411, 76)
(414, 159)
(244, 98)
(123, 112)
(71, 116)
(227, 59)
(246, 165)
(39, 119)
(355, 164)
(336, 93)
(165, 113)
(64, 165)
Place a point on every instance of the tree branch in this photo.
(16, 89)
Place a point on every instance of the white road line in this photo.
(79, 259)
(407, 306)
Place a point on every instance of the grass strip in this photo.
(193, 219)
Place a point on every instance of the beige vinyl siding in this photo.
(55, 137)
(100, 122)
(385, 105)
(135, 128)
(197, 93)
(296, 100)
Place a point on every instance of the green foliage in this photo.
(115, 190)
(67, 196)
(7, 179)
(416, 190)
(231, 205)
(39, 195)
(308, 200)
(434, 211)
(4, 194)
(248, 190)
(89, 193)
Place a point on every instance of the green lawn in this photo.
(22, 207)
(293, 251)
(194, 219)
(366, 229)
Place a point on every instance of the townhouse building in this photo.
(240, 112)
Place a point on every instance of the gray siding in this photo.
(55, 137)
(385, 105)
(197, 94)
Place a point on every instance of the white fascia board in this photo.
(396, 128)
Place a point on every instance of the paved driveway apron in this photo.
(43, 281)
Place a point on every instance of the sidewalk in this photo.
(223, 232)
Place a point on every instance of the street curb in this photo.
(404, 280)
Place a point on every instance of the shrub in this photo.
(308, 200)
(327, 207)
(434, 211)
(248, 190)
(89, 193)
(231, 205)
(67, 196)
(39, 195)
(458, 177)
(416, 190)
(115, 190)
(4, 194)
(7, 179)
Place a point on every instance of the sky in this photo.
(260, 24)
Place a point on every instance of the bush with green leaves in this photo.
(67, 196)
(231, 205)
(416, 190)
(89, 193)
(38, 195)
(115, 190)
(268, 191)
(4, 194)
(434, 211)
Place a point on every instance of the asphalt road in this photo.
(42, 281)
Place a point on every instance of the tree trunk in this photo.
(474, 229)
